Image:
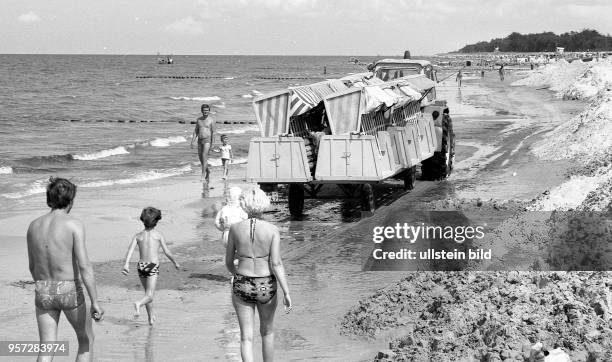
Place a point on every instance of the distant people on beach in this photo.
(59, 263)
(149, 241)
(482, 73)
(459, 77)
(256, 245)
(501, 73)
(226, 154)
(204, 133)
(230, 214)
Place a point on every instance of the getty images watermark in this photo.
(407, 233)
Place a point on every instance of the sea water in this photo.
(115, 120)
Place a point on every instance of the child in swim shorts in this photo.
(149, 242)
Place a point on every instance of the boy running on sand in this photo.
(226, 154)
(149, 241)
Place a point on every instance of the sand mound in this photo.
(584, 135)
(576, 80)
(487, 316)
(587, 139)
(573, 193)
(556, 76)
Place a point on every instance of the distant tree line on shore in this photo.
(587, 39)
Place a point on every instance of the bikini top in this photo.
(252, 238)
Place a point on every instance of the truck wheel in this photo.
(367, 197)
(409, 178)
(296, 199)
(440, 165)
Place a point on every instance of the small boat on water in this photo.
(164, 59)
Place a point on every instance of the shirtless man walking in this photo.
(204, 132)
(58, 261)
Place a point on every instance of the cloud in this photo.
(186, 26)
(211, 9)
(30, 17)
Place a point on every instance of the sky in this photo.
(282, 27)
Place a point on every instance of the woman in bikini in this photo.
(256, 245)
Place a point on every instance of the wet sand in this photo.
(324, 252)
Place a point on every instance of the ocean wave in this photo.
(4, 170)
(229, 78)
(222, 105)
(142, 177)
(101, 154)
(200, 99)
(36, 187)
(165, 142)
(216, 162)
(256, 92)
(240, 131)
(247, 96)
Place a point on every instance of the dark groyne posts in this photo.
(150, 121)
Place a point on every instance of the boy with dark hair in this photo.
(59, 265)
(149, 241)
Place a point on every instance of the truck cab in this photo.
(390, 69)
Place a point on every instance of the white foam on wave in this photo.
(36, 187)
(221, 105)
(201, 99)
(142, 177)
(247, 96)
(4, 170)
(240, 131)
(101, 154)
(216, 162)
(166, 142)
(256, 92)
(228, 78)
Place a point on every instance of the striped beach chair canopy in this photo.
(420, 83)
(306, 97)
(362, 80)
(345, 98)
(272, 112)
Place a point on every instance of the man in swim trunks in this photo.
(58, 261)
(204, 133)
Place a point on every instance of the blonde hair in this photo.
(233, 195)
(254, 201)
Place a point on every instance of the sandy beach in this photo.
(325, 252)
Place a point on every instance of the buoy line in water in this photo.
(179, 77)
(150, 121)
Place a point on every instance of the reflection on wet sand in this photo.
(149, 350)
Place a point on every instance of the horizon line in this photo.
(248, 55)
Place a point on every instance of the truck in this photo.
(354, 132)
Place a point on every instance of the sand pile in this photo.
(573, 193)
(576, 80)
(584, 136)
(484, 316)
(594, 79)
(490, 205)
(555, 76)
